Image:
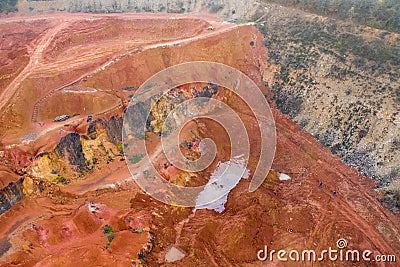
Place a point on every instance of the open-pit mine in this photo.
(68, 179)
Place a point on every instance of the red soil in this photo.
(58, 227)
(17, 39)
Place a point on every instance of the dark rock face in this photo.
(114, 129)
(92, 130)
(10, 195)
(137, 115)
(142, 117)
(5, 245)
(70, 146)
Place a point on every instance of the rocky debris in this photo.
(42, 233)
(14, 163)
(70, 146)
(11, 194)
(76, 154)
(5, 245)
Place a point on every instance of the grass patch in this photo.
(107, 230)
(135, 159)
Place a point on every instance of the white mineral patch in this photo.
(173, 254)
(224, 178)
(284, 177)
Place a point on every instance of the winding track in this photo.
(35, 60)
(35, 63)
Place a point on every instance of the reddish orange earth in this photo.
(103, 219)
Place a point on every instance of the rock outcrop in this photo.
(114, 129)
(11, 194)
(70, 146)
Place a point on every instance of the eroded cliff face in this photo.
(14, 182)
(11, 194)
(227, 8)
(70, 147)
(74, 156)
(341, 83)
(77, 154)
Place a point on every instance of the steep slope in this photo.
(341, 83)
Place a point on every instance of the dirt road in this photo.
(35, 57)
(36, 64)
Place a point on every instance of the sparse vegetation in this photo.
(102, 147)
(61, 180)
(391, 200)
(215, 7)
(120, 149)
(143, 137)
(107, 230)
(381, 14)
(7, 6)
(138, 231)
(136, 158)
(311, 52)
(177, 8)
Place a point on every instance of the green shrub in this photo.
(120, 149)
(61, 180)
(107, 229)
